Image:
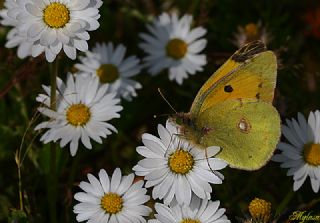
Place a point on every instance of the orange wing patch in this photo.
(245, 53)
(226, 68)
(255, 79)
(244, 86)
(237, 62)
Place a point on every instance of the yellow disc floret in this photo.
(311, 154)
(56, 15)
(181, 162)
(78, 114)
(190, 221)
(260, 209)
(107, 73)
(176, 49)
(112, 203)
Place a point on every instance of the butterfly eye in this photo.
(228, 88)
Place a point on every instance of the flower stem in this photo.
(20, 188)
(284, 203)
(19, 160)
(52, 175)
(71, 176)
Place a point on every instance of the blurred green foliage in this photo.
(298, 90)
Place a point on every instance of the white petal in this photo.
(104, 179)
(70, 51)
(115, 180)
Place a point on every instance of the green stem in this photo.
(52, 176)
(19, 160)
(284, 202)
(19, 164)
(20, 188)
(72, 174)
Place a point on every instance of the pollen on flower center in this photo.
(78, 114)
(190, 221)
(260, 209)
(176, 48)
(181, 162)
(56, 15)
(311, 154)
(107, 73)
(251, 30)
(111, 203)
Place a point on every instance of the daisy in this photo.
(199, 211)
(53, 25)
(83, 109)
(5, 19)
(173, 45)
(13, 38)
(115, 200)
(177, 169)
(108, 63)
(251, 32)
(302, 152)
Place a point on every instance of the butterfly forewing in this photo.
(249, 73)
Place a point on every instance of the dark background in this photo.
(295, 30)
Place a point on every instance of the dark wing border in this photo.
(248, 51)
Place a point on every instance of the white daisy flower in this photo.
(108, 63)
(251, 32)
(302, 154)
(5, 19)
(115, 200)
(83, 109)
(177, 169)
(53, 25)
(199, 211)
(14, 40)
(174, 45)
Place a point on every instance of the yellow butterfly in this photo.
(233, 109)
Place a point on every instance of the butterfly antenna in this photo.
(164, 98)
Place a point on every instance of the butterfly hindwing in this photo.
(247, 141)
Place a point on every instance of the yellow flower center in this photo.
(107, 73)
(78, 114)
(190, 221)
(176, 48)
(181, 162)
(260, 209)
(111, 203)
(56, 15)
(251, 30)
(311, 154)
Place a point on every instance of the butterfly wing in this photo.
(250, 73)
(247, 130)
(234, 109)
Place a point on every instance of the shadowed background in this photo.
(293, 29)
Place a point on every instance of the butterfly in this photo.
(233, 109)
